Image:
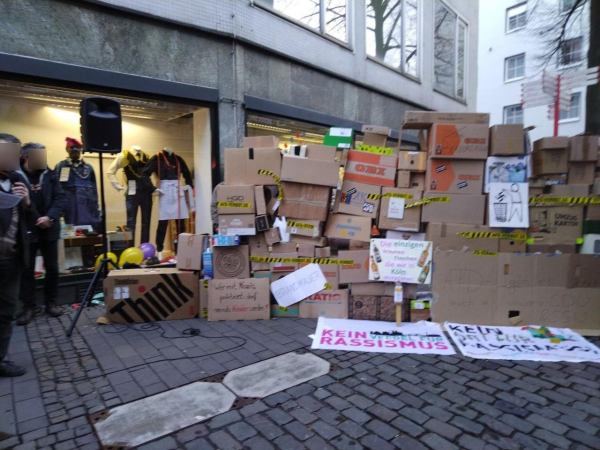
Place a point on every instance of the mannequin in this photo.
(169, 168)
(137, 194)
(78, 182)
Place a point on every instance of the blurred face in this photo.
(36, 159)
(9, 156)
(74, 152)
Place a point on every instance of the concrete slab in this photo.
(276, 374)
(161, 414)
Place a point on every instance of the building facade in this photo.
(516, 48)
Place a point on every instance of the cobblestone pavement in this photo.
(374, 401)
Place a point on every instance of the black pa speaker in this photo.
(101, 125)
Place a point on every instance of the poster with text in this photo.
(400, 261)
(508, 205)
(526, 343)
(298, 285)
(424, 338)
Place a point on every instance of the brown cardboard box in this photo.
(550, 143)
(231, 262)
(403, 179)
(551, 248)
(445, 237)
(506, 140)
(413, 161)
(236, 199)
(242, 165)
(583, 148)
(302, 227)
(284, 266)
(596, 186)
(306, 201)
(239, 299)
(321, 152)
(418, 181)
(555, 224)
(373, 288)
(535, 191)
(368, 307)
(357, 273)
(260, 266)
(258, 244)
(425, 119)
(358, 245)
(569, 190)
(412, 216)
(583, 271)
(310, 171)
(371, 168)
(324, 252)
(592, 212)
(582, 173)
(203, 288)
(550, 161)
(547, 180)
(240, 224)
(261, 142)
(455, 176)
(375, 135)
(285, 247)
(512, 246)
(331, 304)
(451, 141)
(353, 198)
(260, 201)
(272, 236)
(465, 209)
(303, 240)
(189, 251)
(150, 295)
(348, 227)
(306, 251)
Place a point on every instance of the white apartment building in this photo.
(511, 52)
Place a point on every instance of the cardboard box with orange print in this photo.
(455, 176)
(455, 141)
(371, 168)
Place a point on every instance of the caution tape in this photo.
(375, 149)
(244, 205)
(304, 226)
(428, 200)
(327, 286)
(268, 259)
(493, 235)
(205, 284)
(276, 179)
(484, 253)
(389, 195)
(283, 309)
(564, 200)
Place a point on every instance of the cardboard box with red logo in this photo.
(371, 168)
(456, 141)
(455, 176)
(359, 271)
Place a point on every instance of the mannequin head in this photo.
(169, 150)
(33, 156)
(136, 148)
(74, 148)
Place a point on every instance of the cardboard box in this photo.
(232, 199)
(403, 179)
(425, 119)
(284, 247)
(321, 152)
(261, 142)
(303, 240)
(310, 171)
(302, 227)
(258, 244)
(260, 201)
(373, 288)
(592, 212)
(455, 176)
(260, 266)
(324, 252)
(512, 246)
(555, 224)
(551, 143)
(331, 273)
(231, 262)
(551, 161)
(404, 235)
(359, 271)
(306, 201)
(465, 209)
(445, 236)
(240, 224)
(239, 299)
(583, 148)
(451, 141)
(507, 140)
(505, 169)
(150, 295)
(596, 186)
(348, 227)
(391, 206)
(284, 266)
(547, 180)
(272, 236)
(358, 245)
(375, 135)
(369, 307)
(353, 198)
(370, 168)
(418, 181)
(242, 165)
(189, 250)
(331, 304)
(413, 161)
(551, 248)
(581, 173)
(203, 288)
(306, 251)
(341, 138)
(570, 190)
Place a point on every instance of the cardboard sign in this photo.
(332, 304)
(526, 343)
(395, 208)
(508, 205)
(400, 261)
(298, 285)
(424, 338)
(238, 299)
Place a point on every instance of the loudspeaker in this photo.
(101, 125)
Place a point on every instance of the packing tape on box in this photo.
(277, 181)
(339, 262)
(304, 226)
(484, 253)
(564, 200)
(493, 235)
(428, 200)
(243, 205)
(375, 149)
(389, 195)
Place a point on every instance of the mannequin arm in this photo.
(187, 176)
(112, 172)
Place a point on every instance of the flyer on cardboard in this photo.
(298, 285)
(400, 261)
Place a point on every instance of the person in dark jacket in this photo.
(17, 216)
(48, 199)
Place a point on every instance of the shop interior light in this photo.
(260, 126)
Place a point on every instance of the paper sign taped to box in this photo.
(298, 285)
(400, 261)
(508, 205)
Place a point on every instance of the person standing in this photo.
(48, 199)
(17, 216)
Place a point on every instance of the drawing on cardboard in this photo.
(508, 205)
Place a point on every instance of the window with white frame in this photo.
(571, 52)
(328, 17)
(450, 47)
(567, 5)
(513, 114)
(516, 17)
(574, 112)
(393, 34)
(514, 67)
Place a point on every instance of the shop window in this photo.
(513, 114)
(516, 17)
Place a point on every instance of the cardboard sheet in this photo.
(238, 299)
(298, 285)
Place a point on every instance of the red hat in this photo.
(73, 141)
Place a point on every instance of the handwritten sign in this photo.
(400, 261)
(298, 285)
(238, 299)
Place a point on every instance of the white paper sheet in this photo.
(298, 285)
(508, 205)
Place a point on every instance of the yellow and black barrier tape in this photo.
(484, 253)
(428, 200)
(389, 195)
(375, 149)
(244, 205)
(269, 259)
(302, 225)
(327, 286)
(276, 179)
(493, 235)
(564, 200)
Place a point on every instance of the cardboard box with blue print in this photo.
(348, 227)
(505, 169)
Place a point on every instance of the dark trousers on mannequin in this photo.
(49, 250)
(140, 200)
(161, 232)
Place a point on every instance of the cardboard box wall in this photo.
(462, 141)
(371, 168)
(353, 199)
(583, 148)
(239, 299)
(357, 273)
(555, 224)
(303, 227)
(445, 237)
(581, 173)
(306, 201)
(551, 248)
(150, 295)
(425, 119)
(569, 190)
(403, 179)
(231, 262)
(240, 224)
(413, 161)
(506, 140)
(376, 289)
(244, 196)
(549, 161)
(412, 216)
(418, 181)
(331, 304)
(465, 209)
(189, 250)
(348, 227)
(455, 176)
(313, 169)
(242, 165)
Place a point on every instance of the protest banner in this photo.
(526, 343)
(400, 261)
(425, 338)
(298, 285)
